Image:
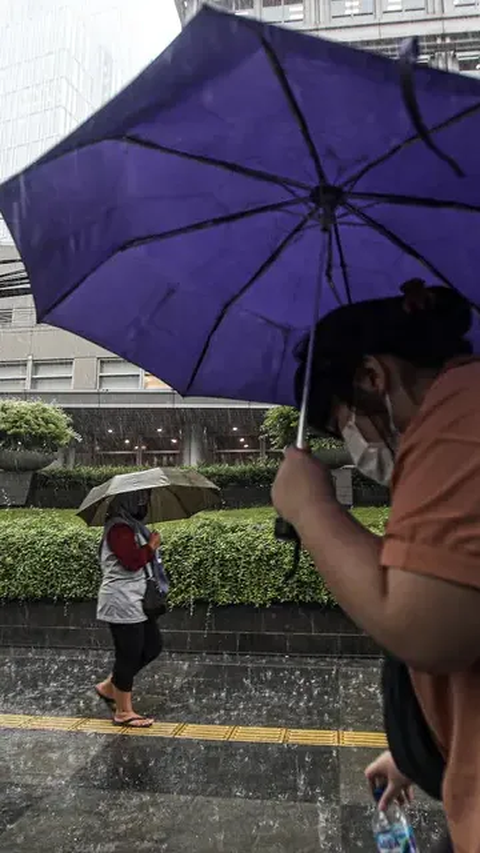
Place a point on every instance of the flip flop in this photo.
(110, 703)
(142, 723)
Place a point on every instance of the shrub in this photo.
(34, 426)
(280, 426)
(258, 474)
(209, 559)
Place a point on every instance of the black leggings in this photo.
(136, 645)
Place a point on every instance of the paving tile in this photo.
(15, 801)
(45, 758)
(122, 823)
(360, 704)
(196, 768)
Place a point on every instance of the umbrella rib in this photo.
(343, 263)
(329, 267)
(409, 250)
(261, 270)
(282, 78)
(187, 229)
(219, 220)
(180, 502)
(415, 201)
(247, 171)
(407, 142)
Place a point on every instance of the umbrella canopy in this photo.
(186, 225)
(175, 494)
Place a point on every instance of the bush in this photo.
(212, 560)
(34, 426)
(280, 426)
(258, 474)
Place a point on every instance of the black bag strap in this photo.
(410, 739)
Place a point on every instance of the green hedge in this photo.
(213, 560)
(259, 474)
(255, 474)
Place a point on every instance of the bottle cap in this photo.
(378, 792)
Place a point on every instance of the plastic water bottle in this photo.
(391, 828)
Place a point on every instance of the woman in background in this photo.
(127, 549)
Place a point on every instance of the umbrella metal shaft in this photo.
(301, 441)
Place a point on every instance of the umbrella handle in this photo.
(284, 531)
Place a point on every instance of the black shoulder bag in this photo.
(410, 739)
(154, 600)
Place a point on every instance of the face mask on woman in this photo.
(374, 459)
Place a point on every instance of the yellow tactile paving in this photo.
(14, 721)
(373, 739)
(312, 737)
(99, 727)
(62, 724)
(207, 732)
(199, 731)
(258, 734)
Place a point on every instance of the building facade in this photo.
(56, 69)
(124, 415)
(53, 75)
(449, 30)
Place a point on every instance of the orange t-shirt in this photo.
(434, 529)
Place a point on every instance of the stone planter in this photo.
(24, 460)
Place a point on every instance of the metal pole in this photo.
(302, 422)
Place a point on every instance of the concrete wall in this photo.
(377, 22)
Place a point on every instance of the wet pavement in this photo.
(220, 789)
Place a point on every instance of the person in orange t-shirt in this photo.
(396, 379)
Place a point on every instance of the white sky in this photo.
(134, 31)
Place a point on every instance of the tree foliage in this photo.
(280, 427)
(34, 426)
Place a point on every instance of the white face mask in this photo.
(374, 459)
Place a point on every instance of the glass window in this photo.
(6, 316)
(152, 383)
(294, 11)
(338, 8)
(282, 11)
(117, 375)
(13, 376)
(272, 10)
(52, 375)
(345, 8)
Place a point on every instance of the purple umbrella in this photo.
(189, 224)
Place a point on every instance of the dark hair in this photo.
(424, 327)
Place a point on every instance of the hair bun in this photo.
(417, 295)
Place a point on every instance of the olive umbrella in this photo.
(174, 494)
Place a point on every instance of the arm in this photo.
(122, 542)
(431, 622)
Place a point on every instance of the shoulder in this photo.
(117, 529)
(450, 408)
(459, 380)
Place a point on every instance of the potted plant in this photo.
(31, 434)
